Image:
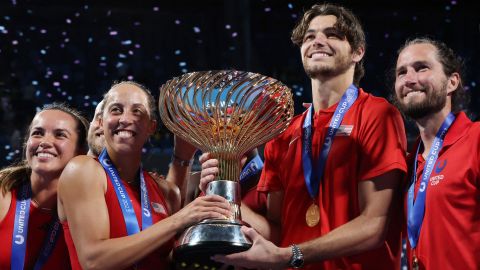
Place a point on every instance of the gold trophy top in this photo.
(225, 112)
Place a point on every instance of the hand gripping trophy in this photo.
(226, 113)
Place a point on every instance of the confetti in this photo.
(74, 50)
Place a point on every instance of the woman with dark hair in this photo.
(29, 227)
(114, 214)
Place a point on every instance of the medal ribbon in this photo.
(20, 233)
(124, 199)
(49, 244)
(416, 207)
(254, 166)
(314, 175)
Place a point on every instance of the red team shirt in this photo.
(370, 142)
(155, 260)
(450, 233)
(38, 227)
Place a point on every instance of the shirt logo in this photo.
(344, 130)
(435, 180)
(158, 208)
(441, 164)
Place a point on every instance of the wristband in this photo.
(180, 162)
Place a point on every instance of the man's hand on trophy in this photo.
(262, 255)
(204, 207)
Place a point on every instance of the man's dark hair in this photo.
(347, 23)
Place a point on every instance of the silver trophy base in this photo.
(201, 241)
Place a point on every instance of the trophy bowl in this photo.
(226, 113)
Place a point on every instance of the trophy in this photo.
(226, 113)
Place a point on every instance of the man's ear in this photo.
(358, 54)
(453, 82)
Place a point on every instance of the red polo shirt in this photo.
(450, 233)
(371, 142)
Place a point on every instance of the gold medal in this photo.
(312, 217)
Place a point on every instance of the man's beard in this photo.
(95, 146)
(341, 65)
(434, 102)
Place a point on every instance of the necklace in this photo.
(133, 181)
(41, 208)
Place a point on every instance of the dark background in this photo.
(73, 50)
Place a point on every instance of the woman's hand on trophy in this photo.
(209, 170)
(262, 255)
(204, 207)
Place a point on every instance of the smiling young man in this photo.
(345, 156)
(443, 196)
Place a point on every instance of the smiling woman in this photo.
(114, 214)
(28, 195)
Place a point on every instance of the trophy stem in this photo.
(229, 169)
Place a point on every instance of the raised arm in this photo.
(82, 202)
(179, 171)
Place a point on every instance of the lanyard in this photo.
(416, 207)
(124, 199)
(313, 175)
(255, 165)
(20, 233)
